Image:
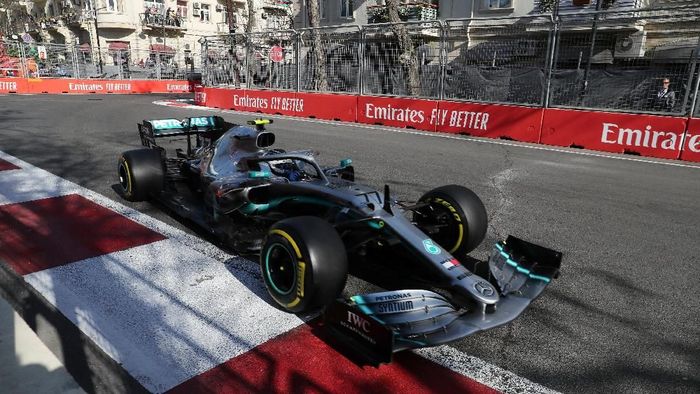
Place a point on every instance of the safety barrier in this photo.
(691, 145)
(646, 135)
(87, 86)
(668, 137)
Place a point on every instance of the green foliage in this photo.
(380, 14)
(546, 6)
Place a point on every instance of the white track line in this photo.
(524, 145)
(168, 312)
(163, 311)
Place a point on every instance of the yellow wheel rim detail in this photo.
(460, 226)
(289, 239)
(128, 176)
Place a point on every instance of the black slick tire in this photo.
(459, 216)
(303, 263)
(140, 174)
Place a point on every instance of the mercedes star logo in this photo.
(484, 289)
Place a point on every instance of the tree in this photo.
(319, 78)
(407, 57)
(12, 16)
(553, 5)
(250, 48)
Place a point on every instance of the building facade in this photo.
(145, 25)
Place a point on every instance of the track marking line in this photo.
(523, 145)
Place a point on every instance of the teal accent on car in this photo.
(251, 208)
(376, 224)
(259, 174)
(430, 247)
(267, 270)
(520, 268)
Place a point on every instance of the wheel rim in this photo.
(449, 233)
(280, 269)
(123, 177)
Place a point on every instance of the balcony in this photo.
(415, 11)
(49, 24)
(31, 26)
(222, 28)
(79, 17)
(115, 20)
(157, 21)
(285, 5)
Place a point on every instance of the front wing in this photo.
(379, 324)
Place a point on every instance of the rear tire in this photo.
(303, 263)
(459, 216)
(140, 174)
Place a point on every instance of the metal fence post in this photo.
(248, 44)
(74, 56)
(549, 66)
(691, 72)
(695, 104)
(442, 56)
(205, 63)
(23, 59)
(361, 62)
(297, 49)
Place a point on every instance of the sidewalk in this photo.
(26, 364)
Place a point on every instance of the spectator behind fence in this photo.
(665, 97)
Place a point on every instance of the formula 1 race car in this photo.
(307, 222)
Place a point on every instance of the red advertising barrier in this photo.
(340, 107)
(647, 135)
(267, 102)
(488, 120)
(13, 85)
(217, 98)
(396, 112)
(691, 147)
(87, 86)
(200, 95)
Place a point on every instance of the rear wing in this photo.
(202, 126)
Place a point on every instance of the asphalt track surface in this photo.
(625, 314)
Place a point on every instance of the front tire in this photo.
(455, 218)
(304, 263)
(140, 174)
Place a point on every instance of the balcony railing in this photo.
(79, 17)
(49, 24)
(415, 11)
(279, 4)
(31, 26)
(222, 27)
(154, 21)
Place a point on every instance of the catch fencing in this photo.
(42, 60)
(602, 60)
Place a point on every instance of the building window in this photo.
(499, 4)
(182, 9)
(346, 10)
(204, 12)
(154, 6)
